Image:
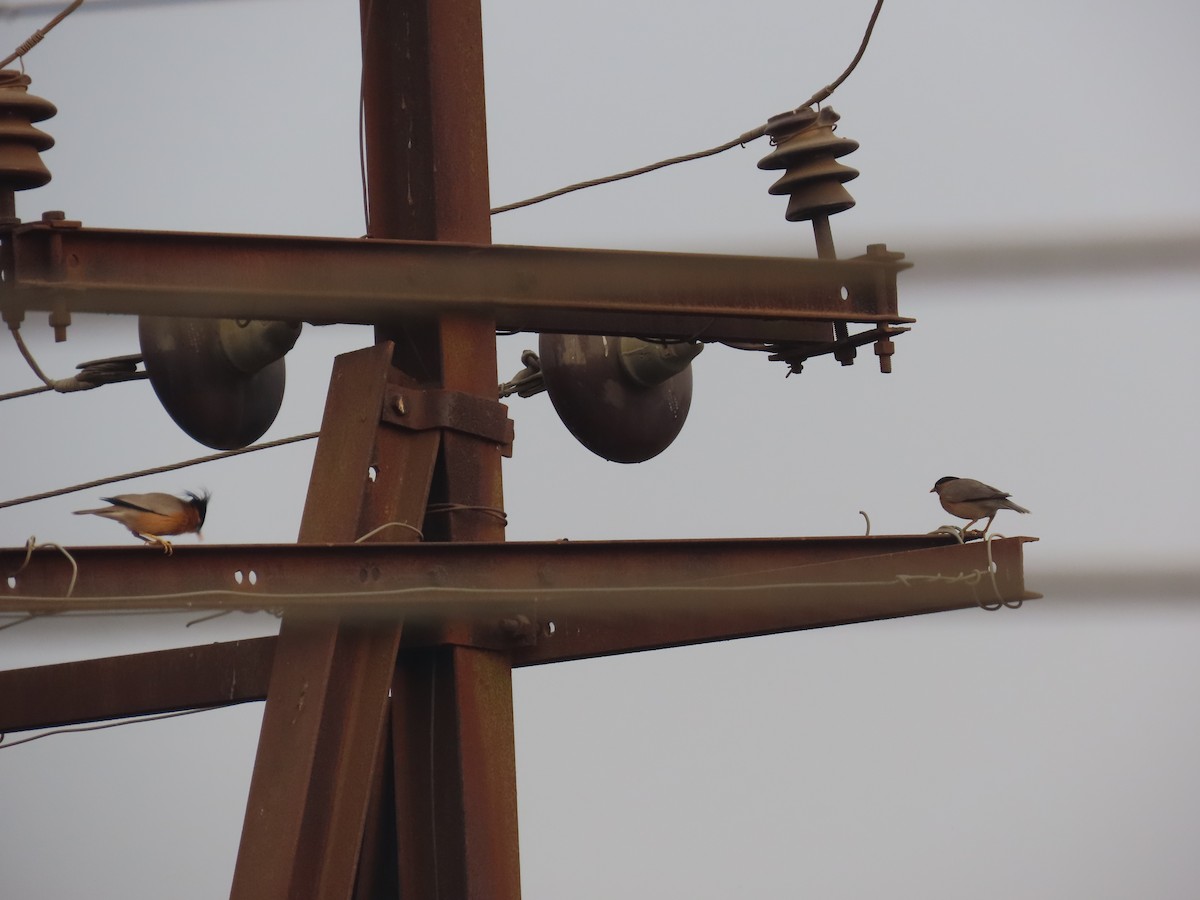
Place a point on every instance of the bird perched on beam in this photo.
(973, 500)
(152, 516)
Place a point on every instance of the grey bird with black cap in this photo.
(972, 500)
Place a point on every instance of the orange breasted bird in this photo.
(973, 500)
(151, 516)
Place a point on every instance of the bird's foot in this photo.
(153, 540)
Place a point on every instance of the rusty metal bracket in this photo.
(689, 296)
(796, 353)
(420, 409)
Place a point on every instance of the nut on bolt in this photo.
(884, 348)
(60, 318)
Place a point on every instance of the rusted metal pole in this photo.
(426, 140)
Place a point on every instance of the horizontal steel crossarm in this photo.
(656, 594)
(537, 289)
(430, 580)
(137, 684)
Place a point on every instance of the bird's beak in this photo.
(932, 489)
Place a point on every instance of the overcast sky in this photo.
(1046, 752)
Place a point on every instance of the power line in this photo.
(157, 470)
(7, 745)
(36, 38)
(751, 135)
(91, 374)
(27, 392)
(18, 10)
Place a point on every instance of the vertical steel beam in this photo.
(456, 795)
(426, 139)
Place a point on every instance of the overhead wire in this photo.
(158, 470)
(40, 7)
(91, 374)
(36, 38)
(27, 392)
(741, 140)
(8, 745)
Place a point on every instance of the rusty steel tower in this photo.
(385, 765)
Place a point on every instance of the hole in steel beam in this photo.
(252, 577)
(551, 627)
(372, 472)
(845, 292)
(237, 576)
(12, 582)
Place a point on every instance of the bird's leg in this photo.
(989, 523)
(156, 541)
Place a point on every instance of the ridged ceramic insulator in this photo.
(807, 149)
(21, 166)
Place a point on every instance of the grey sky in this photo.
(1043, 753)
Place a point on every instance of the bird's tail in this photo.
(1013, 506)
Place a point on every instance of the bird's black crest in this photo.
(944, 479)
(200, 501)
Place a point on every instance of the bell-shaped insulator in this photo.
(623, 398)
(807, 149)
(221, 380)
(21, 167)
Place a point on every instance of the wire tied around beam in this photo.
(31, 545)
(972, 578)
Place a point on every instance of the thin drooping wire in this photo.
(157, 470)
(374, 531)
(362, 113)
(14, 10)
(821, 95)
(62, 385)
(751, 135)
(8, 745)
(445, 508)
(28, 392)
(31, 545)
(36, 38)
(91, 375)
